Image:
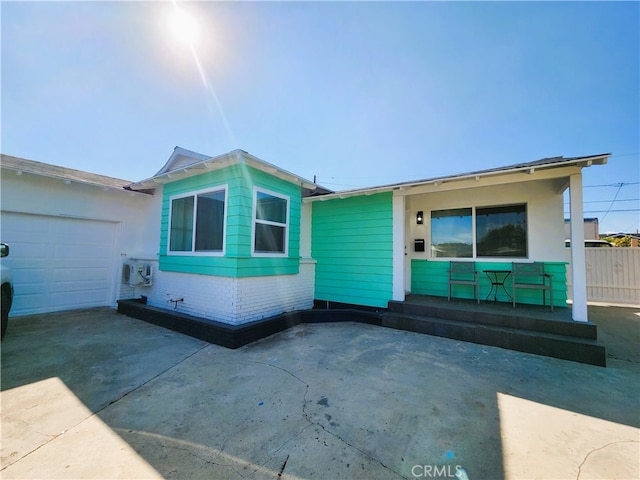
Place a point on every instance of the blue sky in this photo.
(357, 94)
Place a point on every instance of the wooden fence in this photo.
(613, 275)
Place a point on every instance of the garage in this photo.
(59, 263)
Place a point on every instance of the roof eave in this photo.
(216, 163)
(70, 180)
(582, 162)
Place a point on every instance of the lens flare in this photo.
(183, 26)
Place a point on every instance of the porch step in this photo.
(499, 315)
(565, 347)
(510, 333)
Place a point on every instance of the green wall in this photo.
(237, 261)
(431, 278)
(352, 242)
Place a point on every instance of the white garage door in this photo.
(59, 263)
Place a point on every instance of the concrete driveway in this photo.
(94, 394)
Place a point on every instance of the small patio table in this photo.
(497, 278)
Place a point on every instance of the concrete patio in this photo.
(95, 394)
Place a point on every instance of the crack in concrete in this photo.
(593, 450)
(138, 387)
(192, 450)
(48, 437)
(281, 369)
(613, 357)
(283, 466)
(28, 425)
(51, 438)
(308, 418)
(101, 409)
(370, 457)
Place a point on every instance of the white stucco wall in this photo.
(133, 214)
(28, 193)
(545, 214)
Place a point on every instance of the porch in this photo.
(527, 328)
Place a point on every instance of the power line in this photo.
(619, 185)
(607, 211)
(612, 202)
(607, 201)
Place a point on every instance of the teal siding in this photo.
(237, 261)
(431, 278)
(352, 242)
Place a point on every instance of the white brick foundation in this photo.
(229, 300)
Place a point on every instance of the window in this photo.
(451, 233)
(205, 211)
(499, 232)
(270, 223)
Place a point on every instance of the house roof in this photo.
(529, 167)
(181, 157)
(69, 175)
(185, 163)
(620, 235)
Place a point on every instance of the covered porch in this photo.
(494, 219)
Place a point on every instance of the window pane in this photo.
(181, 224)
(501, 231)
(451, 233)
(269, 238)
(270, 208)
(210, 222)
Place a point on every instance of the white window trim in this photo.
(195, 194)
(266, 222)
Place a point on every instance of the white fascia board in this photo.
(73, 181)
(222, 161)
(406, 188)
(275, 171)
(181, 152)
(213, 163)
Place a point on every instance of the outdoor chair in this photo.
(464, 273)
(531, 276)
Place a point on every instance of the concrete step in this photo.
(233, 336)
(498, 316)
(565, 347)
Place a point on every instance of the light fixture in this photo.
(419, 218)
